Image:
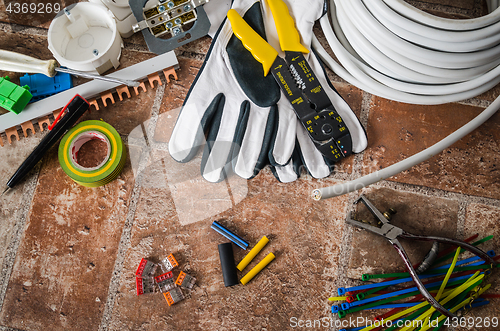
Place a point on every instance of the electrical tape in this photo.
(109, 169)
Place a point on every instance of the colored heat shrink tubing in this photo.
(229, 235)
(108, 170)
(253, 253)
(227, 264)
(261, 265)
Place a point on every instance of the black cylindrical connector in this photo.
(227, 263)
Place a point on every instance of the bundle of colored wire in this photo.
(391, 49)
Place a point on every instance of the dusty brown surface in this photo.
(92, 153)
(69, 253)
(401, 130)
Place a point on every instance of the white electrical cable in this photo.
(391, 49)
(357, 184)
(385, 48)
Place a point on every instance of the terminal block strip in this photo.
(41, 111)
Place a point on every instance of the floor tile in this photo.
(11, 157)
(397, 131)
(302, 232)
(416, 214)
(64, 263)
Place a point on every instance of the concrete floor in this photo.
(68, 254)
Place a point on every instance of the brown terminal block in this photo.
(27, 126)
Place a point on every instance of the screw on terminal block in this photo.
(176, 31)
(187, 8)
(170, 4)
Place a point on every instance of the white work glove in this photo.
(237, 108)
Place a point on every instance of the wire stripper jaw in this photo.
(383, 227)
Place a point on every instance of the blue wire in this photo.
(342, 290)
(391, 294)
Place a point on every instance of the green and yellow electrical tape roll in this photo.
(110, 167)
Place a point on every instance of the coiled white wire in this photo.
(391, 49)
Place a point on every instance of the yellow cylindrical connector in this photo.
(253, 253)
(261, 265)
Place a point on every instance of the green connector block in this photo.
(13, 97)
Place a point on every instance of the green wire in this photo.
(430, 272)
(366, 277)
(395, 298)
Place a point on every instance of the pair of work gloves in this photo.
(241, 117)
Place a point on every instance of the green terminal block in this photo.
(13, 97)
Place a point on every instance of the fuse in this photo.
(168, 263)
(165, 282)
(146, 269)
(145, 285)
(185, 280)
(174, 296)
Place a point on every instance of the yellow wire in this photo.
(337, 298)
(424, 316)
(452, 294)
(454, 309)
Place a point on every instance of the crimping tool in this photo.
(168, 24)
(392, 233)
(298, 82)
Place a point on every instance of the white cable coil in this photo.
(391, 49)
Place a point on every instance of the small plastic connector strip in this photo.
(174, 296)
(168, 263)
(185, 280)
(165, 282)
(146, 269)
(144, 285)
(240, 242)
